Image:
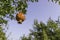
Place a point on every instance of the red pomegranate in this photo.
(20, 17)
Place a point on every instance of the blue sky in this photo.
(41, 10)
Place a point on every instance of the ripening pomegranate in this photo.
(20, 17)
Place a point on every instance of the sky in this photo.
(41, 11)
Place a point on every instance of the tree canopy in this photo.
(2, 34)
(55, 1)
(42, 31)
(9, 7)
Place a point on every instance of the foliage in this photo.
(56, 1)
(2, 34)
(42, 31)
(9, 7)
(26, 38)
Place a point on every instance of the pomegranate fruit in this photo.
(20, 17)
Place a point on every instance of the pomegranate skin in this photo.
(20, 17)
